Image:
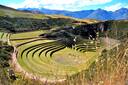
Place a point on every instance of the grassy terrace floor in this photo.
(4, 36)
(64, 62)
(27, 34)
(52, 60)
(19, 38)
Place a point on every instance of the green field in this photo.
(32, 34)
(25, 37)
(49, 58)
(4, 36)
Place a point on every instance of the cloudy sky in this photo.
(70, 5)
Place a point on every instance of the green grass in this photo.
(29, 58)
(1, 35)
(14, 13)
(4, 36)
(71, 55)
(24, 37)
(50, 59)
(27, 34)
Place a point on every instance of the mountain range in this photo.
(98, 14)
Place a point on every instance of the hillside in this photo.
(18, 21)
(12, 20)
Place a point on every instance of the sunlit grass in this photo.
(27, 34)
(64, 62)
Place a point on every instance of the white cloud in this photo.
(26, 3)
(71, 5)
(114, 7)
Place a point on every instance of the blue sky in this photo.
(70, 5)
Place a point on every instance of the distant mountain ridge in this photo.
(98, 14)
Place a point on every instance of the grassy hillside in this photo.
(19, 21)
(6, 11)
(16, 21)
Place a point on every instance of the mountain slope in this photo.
(12, 20)
(86, 14)
(10, 12)
(17, 21)
(100, 14)
(121, 13)
(6, 11)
